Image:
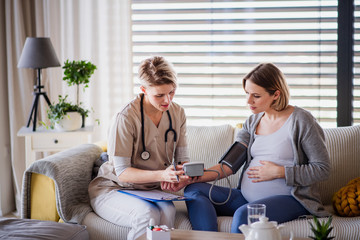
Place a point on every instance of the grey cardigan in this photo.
(311, 158)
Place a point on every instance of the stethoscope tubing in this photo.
(145, 155)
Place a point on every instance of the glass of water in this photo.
(255, 211)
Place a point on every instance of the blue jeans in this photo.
(203, 213)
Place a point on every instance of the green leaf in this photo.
(322, 229)
(78, 72)
(57, 111)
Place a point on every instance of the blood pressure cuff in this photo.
(235, 156)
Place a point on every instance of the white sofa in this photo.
(71, 172)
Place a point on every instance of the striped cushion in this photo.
(344, 148)
(99, 228)
(208, 144)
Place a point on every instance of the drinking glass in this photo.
(255, 211)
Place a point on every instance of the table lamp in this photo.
(38, 53)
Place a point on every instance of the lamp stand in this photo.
(37, 93)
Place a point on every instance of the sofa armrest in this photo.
(71, 171)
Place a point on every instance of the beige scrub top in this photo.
(125, 140)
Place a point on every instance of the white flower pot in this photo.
(70, 122)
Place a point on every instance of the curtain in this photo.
(18, 24)
(20, 19)
(79, 30)
(100, 32)
(6, 190)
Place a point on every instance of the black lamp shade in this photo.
(38, 53)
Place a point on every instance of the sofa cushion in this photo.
(208, 144)
(101, 229)
(343, 146)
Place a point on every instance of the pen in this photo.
(177, 177)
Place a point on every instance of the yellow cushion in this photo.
(346, 201)
(42, 198)
(102, 144)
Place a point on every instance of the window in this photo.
(356, 101)
(213, 44)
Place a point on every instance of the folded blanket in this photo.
(71, 170)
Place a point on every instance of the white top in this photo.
(275, 147)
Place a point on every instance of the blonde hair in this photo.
(157, 71)
(268, 76)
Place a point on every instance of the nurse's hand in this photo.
(169, 175)
(177, 186)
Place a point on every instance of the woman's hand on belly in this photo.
(266, 172)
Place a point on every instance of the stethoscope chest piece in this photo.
(145, 155)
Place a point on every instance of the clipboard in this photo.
(154, 195)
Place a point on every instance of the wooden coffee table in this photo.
(178, 234)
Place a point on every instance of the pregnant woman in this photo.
(286, 157)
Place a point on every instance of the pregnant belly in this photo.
(255, 191)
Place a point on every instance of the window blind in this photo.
(213, 44)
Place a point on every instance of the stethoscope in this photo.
(145, 155)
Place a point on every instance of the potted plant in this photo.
(61, 112)
(321, 230)
(65, 115)
(78, 72)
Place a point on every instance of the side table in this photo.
(43, 140)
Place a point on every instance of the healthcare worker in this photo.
(145, 139)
